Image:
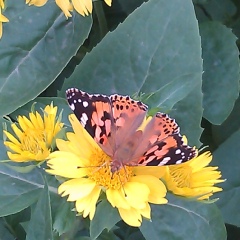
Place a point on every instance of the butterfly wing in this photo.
(128, 115)
(95, 114)
(162, 143)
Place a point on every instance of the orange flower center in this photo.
(102, 175)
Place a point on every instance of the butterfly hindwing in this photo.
(168, 152)
(162, 143)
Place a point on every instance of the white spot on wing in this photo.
(165, 160)
(84, 119)
(72, 106)
(179, 161)
(85, 103)
(178, 151)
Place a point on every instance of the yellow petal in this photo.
(146, 212)
(90, 210)
(130, 216)
(136, 194)
(117, 198)
(87, 205)
(84, 7)
(58, 159)
(82, 133)
(200, 161)
(108, 2)
(11, 137)
(3, 18)
(76, 188)
(65, 6)
(157, 171)
(157, 188)
(13, 147)
(1, 29)
(17, 131)
(19, 157)
(24, 123)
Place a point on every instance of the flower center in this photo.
(182, 175)
(33, 141)
(102, 175)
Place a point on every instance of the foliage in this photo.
(180, 57)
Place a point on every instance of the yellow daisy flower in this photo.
(2, 17)
(34, 136)
(88, 169)
(193, 178)
(83, 7)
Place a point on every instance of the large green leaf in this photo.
(227, 157)
(156, 51)
(40, 225)
(36, 45)
(4, 231)
(65, 218)
(221, 71)
(184, 219)
(188, 113)
(99, 223)
(220, 12)
(228, 127)
(18, 190)
(3, 151)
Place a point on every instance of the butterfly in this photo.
(114, 123)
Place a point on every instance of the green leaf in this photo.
(4, 232)
(17, 190)
(31, 63)
(227, 157)
(188, 113)
(40, 225)
(65, 217)
(99, 223)
(3, 151)
(156, 51)
(221, 71)
(228, 127)
(182, 219)
(129, 6)
(105, 235)
(220, 12)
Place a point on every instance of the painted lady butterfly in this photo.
(114, 121)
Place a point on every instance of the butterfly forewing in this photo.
(128, 115)
(95, 114)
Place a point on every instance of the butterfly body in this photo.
(115, 124)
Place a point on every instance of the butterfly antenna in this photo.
(98, 167)
(125, 194)
(119, 178)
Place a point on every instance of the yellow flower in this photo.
(193, 178)
(88, 170)
(34, 137)
(2, 17)
(38, 3)
(83, 7)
